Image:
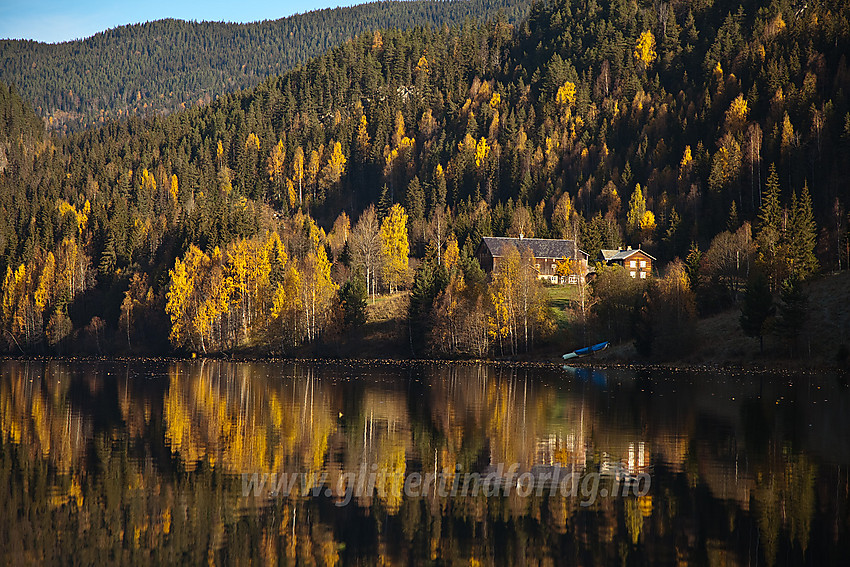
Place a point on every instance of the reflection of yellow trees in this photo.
(767, 506)
(34, 412)
(785, 497)
(634, 519)
(236, 421)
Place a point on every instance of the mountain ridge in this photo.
(165, 65)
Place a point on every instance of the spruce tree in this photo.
(770, 238)
(757, 307)
(733, 223)
(415, 199)
(802, 235)
(792, 310)
(384, 202)
(692, 265)
(352, 298)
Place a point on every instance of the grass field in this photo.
(560, 296)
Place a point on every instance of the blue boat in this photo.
(586, 350)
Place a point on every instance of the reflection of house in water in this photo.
(629, 459)
(562, 449)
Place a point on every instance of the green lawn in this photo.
(560, 298)
(561, 295)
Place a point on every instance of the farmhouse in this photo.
(546, 253)
(637, 262)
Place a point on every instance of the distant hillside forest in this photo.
(717, 133)
(162, 66)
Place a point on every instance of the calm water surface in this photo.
(178, 462)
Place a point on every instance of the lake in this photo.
(364, 463)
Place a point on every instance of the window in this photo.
(643, 275)
(573, 279)
(643, 263)
(632, 273)
(553, 268)
(537, 267)
(633, 264)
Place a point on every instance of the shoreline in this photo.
(778, 368)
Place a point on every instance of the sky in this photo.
(54, 21)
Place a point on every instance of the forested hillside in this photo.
(717, 133)
(168, 65)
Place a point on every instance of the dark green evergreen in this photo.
(352, 297)
(168, 65)
(802, 235)
(792, 311)
(757, 308)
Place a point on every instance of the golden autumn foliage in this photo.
(637, 209)
(647, 221)
(318, 291)
(81, 216)
(645, 48)
(276, 160)
(335, 166)
(250, 289)
(422, 65)
(174, 189)
(37, 291)
(252, 141)
(395, 248)
(519, 304)
(687, 158)
(736, 115)
(450, 256)
(482, 149)
(566, 94)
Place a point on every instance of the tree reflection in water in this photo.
(138, 462)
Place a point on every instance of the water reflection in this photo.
(144, 461)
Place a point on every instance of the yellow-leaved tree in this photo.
(482, 149)
(637, 211)
(318, 291)
(645, 48)
(181, 300)
(566, 94)
(335, 167)
(736, 115)
(275, 167)
(298, 171)
(395, 248)
(503, 293)
(452, 254)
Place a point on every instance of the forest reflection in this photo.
(143, 461)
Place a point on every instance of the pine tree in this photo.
(802, 235)
(770, 239)
(384, 202)
(757, 308)
(692, 265)
(733, 222)
(637, 211)
(352, 298)
(107, 258)
(415, 199)
(792, 310)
